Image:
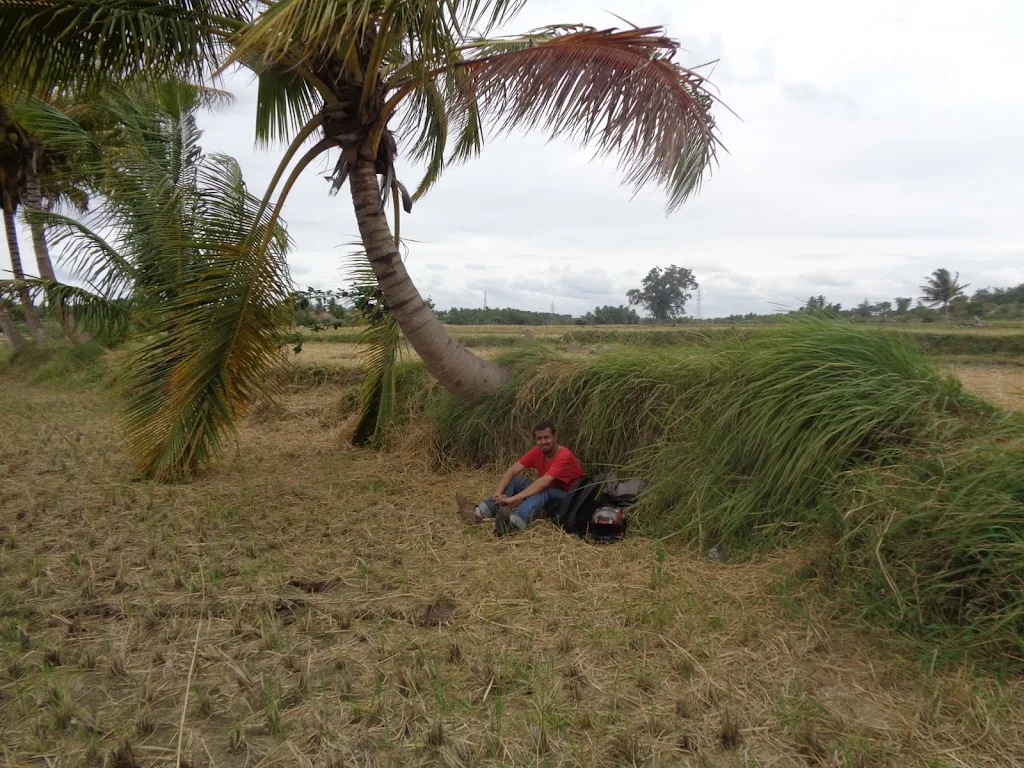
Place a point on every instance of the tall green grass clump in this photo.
(635, 407)
(933, 542)
(57, 362)
(609, 407)
(812, 431)
(764, 437)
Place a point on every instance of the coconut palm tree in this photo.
(13, 146)
(941, 288)
(49, 179)
(169, 258)
(53, 179)
(357, 73)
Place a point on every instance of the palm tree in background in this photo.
(47, 179)
(353, 75)
(941, 288)
(14, 148)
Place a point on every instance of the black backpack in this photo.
(596, 507)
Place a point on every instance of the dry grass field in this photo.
(1000, 383)
(309, 604)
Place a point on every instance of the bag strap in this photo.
(563, 509)
(592, 489)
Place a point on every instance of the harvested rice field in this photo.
(306, 603)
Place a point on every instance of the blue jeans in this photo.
(548, 499)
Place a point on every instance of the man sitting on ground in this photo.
(517, 500)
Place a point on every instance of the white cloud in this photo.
(875, 142)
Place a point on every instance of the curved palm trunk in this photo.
(34, 326)
(34, 201)
(456, 368)
(14, 337)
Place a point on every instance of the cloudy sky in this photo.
(875, 141)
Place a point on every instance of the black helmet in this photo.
(608, 523)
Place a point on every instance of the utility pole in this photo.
(485, 299)
(700, 303)
(552, 321)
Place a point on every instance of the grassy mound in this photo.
(812, 431)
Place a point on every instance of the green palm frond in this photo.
(153, 201)
(87, 254)
(217, 340)
(111, 40)
(429, 110)
(483, 47)
(93, 312)
(466, 117)
(440, 105)
(68, 197)
(170, 253)
(285, 102)
(381, 349)
(52, 126)
(381, 344)
(320, 30)
(65, 156)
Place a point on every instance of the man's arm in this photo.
(511, 472)
(536, 486)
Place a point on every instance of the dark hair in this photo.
(543, 424)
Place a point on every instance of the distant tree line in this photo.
(942, 297)
(609, 315)
(664, 294)
(506, 316)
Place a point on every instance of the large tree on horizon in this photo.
(664, 292)
(355, 75)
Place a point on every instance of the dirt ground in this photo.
(1002, 384)
(310, 604)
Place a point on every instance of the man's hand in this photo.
(499, 495)
(509, 501)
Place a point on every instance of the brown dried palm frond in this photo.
(619, 92)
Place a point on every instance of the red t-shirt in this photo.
(563, 466)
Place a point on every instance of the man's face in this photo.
(545, 440)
